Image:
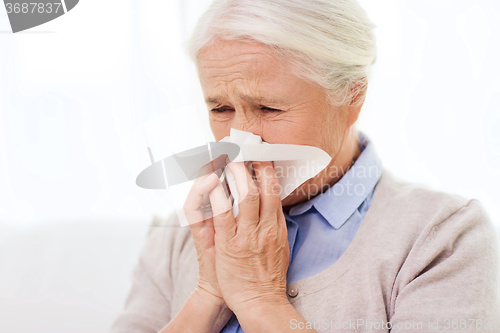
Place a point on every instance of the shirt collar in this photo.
(339, 202)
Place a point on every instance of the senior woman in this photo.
(352, 248)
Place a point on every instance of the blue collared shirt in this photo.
(321, 229)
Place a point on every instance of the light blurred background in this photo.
(82, 97)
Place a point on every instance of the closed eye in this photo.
(265, 108)
(225, 108)
(221, 109)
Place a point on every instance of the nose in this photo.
(244, 121)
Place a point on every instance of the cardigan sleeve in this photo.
(148, 305)
(450, 280)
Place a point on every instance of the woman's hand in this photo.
(243, 261)
(202, 230)
(251, 251)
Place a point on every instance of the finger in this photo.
(205, 208)
(282, 229)
(248, 201)
(269, 188)
(213, 166)
(197, 197)
(223, 219)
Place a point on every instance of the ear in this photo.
(358, 93)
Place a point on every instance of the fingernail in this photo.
(208, 179)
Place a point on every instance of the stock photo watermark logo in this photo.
(186, 176)
(187, 165)
(25, 15)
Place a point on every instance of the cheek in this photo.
(220, 129)
(300, 129)
(295, 130)
(310, 128)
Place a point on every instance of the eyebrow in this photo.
(250, 99)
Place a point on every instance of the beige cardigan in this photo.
(421, 258)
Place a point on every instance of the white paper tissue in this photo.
(294, 164)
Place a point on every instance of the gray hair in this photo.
(329, 42)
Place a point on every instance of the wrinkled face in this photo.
(246, 87)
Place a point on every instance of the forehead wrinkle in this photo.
(245, 97)
(257, 99)
(242, 62)
(220, 52)
(243, 69)
(241, 87)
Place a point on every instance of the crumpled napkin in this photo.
(294, 164)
